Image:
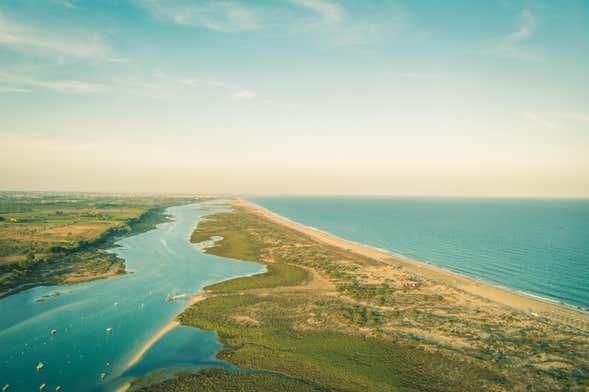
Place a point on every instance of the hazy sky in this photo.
(296, 96)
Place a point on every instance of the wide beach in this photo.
(485, 291)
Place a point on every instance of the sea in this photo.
(535, 247)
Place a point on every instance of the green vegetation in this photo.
(268, 333)
(214, 380)
(379, 294)
(364, 330)
(237, 243)
(48, 239)
(277, 275)
(362, 315)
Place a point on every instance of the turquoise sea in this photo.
(540, 247)
(134, 306)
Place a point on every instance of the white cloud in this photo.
(13, 90)
(244, 94)
(512, 46)
(330, 11)
(28, 39)
(64, 3)
(325, 20)
(540, 120)
(554, 120)
(581, 117)
(191, 83)
(527, 28)
(61, 86)
(225, 16)
(422, 76)
(236, 92)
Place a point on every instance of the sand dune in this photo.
(448, 278)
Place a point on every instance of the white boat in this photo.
(109, 330)
(40, 366)
(53, 331)
(58, 388)
(5, 387)
(42, 387)
(102, 376)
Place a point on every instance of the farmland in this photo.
(52, 238)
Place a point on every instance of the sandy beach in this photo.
(167, 328)
(475, 293)
(448, 278)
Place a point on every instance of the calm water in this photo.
(537, 246)
(134, 306)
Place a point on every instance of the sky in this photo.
(372, 97)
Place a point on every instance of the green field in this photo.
(263, 333)
(48, 239)
(215, 380)
(276, 275)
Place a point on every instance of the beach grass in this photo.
(236, 244)
(275, 276)
(214, 380)
(263, 333)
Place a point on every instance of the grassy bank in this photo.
(277, 275)
(268, 333)
(214, 380)
(339, 321)
(55, 239)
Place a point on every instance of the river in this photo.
(160, 262)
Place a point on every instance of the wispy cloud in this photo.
(64, 3)
(421, 76)
(336, 25)
(235, 92)
(26, 38)
(526, 29)
(512, 45)
(579, 117)
(61, 86)
(331, 12)
(540, 120)
(555, 120)
(13, 90)
(224, 16)
(244, 94)
(326, 20)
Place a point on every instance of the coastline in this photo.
(167, 328)
(343, 316)
(502, 296)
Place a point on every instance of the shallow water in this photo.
(536, 246)
(162, 260)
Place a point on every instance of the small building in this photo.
(412, 285)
